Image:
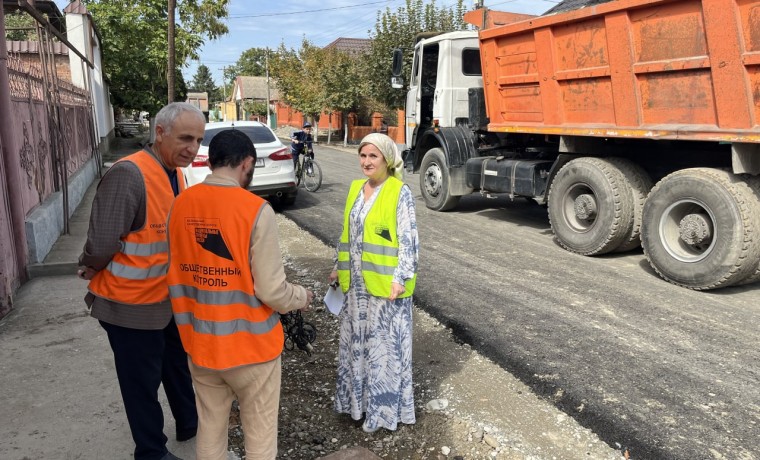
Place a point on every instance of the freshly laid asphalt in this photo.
(60, 398)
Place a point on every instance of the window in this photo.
(257, 134)
(471, 61)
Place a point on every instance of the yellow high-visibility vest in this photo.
(379, 244)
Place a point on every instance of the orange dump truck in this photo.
(637, 122)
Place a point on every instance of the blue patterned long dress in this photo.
(375, 351)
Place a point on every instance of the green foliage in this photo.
(135, 47)
(20, 20)
(345, 85)
(204, 82)
(252, 63)
(313, 80)
(255, 107)
(298, 74)
(398, 30)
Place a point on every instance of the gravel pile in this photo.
(467, 407)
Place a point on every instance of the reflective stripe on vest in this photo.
(221, 322)
(137, 273)
(214, 297)
(144, 249)
(222, 328)
(379, 241)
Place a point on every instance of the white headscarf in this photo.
(388, 148)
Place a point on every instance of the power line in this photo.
(305, 11)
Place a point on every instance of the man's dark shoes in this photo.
(186, 435)
(170, 456)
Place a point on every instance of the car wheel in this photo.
(288, 200)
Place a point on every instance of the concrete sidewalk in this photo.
(60, 397)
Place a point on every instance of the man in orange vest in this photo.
(227, 287)
(125, 259)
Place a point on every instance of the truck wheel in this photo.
(754, 184)
(639, 183)
(590, 209)
(701, 228)
(435, 182)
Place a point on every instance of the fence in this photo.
(56, 130)
(286, 116)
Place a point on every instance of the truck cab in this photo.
(445, 69)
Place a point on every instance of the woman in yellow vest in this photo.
(377, 269)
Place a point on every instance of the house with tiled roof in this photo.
(352, 46)
(253, 89)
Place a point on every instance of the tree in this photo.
(298, 76)
(344, 83)
(20, 26)
(135, 45)
(204, 82)
(255, 107)
(252, 63)
(398, 30)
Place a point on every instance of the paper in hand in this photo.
(334, 299)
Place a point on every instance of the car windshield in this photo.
(257, 134)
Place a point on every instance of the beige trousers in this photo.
(257, 387)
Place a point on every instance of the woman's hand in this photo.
(333, 277)
(396, 290)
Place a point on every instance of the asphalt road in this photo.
(662, 371)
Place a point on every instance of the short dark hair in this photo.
(229, 148)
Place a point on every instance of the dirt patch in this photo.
(467, 407)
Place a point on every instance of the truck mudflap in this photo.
(527, 178)
(457, 143)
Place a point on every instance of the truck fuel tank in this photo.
(503, 175)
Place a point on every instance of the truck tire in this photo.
(435, 182)
(754, 184)
(590, 209)
(701, 228)
(639, 183)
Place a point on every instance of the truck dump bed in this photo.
(670, 69)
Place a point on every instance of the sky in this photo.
(267, 24)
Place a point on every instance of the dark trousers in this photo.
(144, 359)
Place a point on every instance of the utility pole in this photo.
(224, 93)
(171, 70)
(269, 98)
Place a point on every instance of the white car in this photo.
(274, 174)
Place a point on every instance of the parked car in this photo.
(274, 175)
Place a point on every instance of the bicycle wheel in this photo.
(312, 176)
(299, 172)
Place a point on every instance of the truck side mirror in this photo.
(398, 62)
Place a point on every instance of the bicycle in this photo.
(298, 333)
(308, 172)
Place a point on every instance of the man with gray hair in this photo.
(125, 258)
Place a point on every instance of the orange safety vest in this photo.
(137, 273)
(221, 322)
